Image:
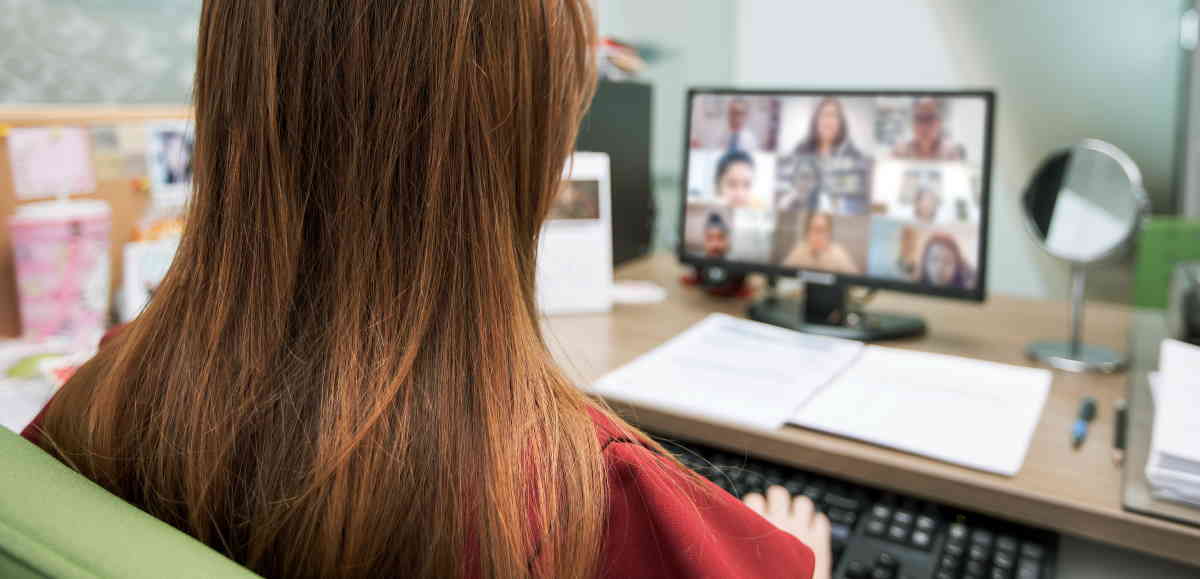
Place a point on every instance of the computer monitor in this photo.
(882, 189)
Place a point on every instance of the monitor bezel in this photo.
(978, 294)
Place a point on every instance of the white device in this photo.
(574, 267)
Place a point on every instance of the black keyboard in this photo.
(882, 535)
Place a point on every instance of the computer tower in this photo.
(619, 123)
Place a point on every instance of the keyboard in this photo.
(882, 535)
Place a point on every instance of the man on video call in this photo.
(739, 136)
(929, 142)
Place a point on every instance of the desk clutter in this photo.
(882, 535)
(977, 414)
(1173, 468)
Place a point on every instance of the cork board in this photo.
(123, 195)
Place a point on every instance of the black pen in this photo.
(1119, 433)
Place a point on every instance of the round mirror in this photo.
(1083, 205)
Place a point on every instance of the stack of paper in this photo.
(1173, 468)
(732, 370)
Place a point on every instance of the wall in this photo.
(1062, 70)
(691, 43)
(116, 51)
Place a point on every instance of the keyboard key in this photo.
(1006, 544)
(922, 540)
(883, 573)
(814, 491)
(958, 531)
(887, 560)
(881, 512)
(981, 537)
(856, 570)
(753, 482)
(842, 501)
(795, 485)
(903, 518)
(1029, 569)
(949, 562)
(840, 532)
(1003, 560)
(976, 568)
(898, 533)
(926, 523)
(977, 552)
(1032, 551)
(876, 528)
(955, 549)
(945, 575)
(842, 516)
(998, 573)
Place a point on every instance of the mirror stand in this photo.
(1075, 356)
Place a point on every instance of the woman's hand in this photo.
(799, 517)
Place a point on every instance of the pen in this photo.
(1087, 411)
(1119, 433)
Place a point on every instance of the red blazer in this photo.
(662, 524)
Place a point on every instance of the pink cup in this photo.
(61, 250)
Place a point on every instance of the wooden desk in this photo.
(1075, 492)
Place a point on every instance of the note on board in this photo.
(50, 161)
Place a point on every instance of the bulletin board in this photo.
(125, 196)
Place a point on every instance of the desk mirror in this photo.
(1083, 205)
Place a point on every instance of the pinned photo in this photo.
(169, 156)
(119, 151)
(576, 200)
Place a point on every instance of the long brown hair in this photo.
(343, 373)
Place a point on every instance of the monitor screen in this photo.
(884, 189)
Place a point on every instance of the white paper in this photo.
(973, 413)
(50, 161)
(1173, 467)
(574, 267)
(732, 370)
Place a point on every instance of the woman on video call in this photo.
(343, 372)
(735, 180)
(942, 264)
(818, 251)
(829, 154)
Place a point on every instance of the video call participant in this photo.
(739, 136)
(735, 180)
(818, 251)
(929, 141)
(343, 374)
(942, 264)
(926, 203)
(829, 155)
(716, 236)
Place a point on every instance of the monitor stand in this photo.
(824, 311)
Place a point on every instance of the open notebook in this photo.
(973, 413)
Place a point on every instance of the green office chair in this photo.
(55, 523)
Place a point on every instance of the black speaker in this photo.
(620, 123)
